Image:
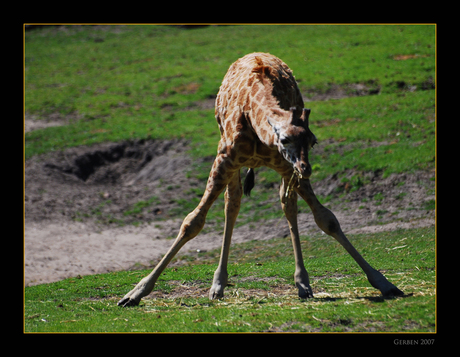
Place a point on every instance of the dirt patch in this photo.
(34, 122)
(338, 91)
(112, 183)
(377, 200)
(81, 203)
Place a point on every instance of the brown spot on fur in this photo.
(246, 148)
(223, 100)
(228, 126)
(264, 151)
(241, 86)
(260, 97)
(262, 69)
(259, 64)
(263, 133)
(254, 91)
(250, 81)
(278, 161)
(219, 186)
(231, 153)
(242, 96)
(216, 175)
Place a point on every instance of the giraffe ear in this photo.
(305, 115)
(275, 125)
(293, 115)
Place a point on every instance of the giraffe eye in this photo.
(285, 141)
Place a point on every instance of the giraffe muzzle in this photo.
(303, 171)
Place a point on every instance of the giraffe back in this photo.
(255, 84)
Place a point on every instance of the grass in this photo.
(117, 83)
(261, 296)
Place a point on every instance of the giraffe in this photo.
(262, 122)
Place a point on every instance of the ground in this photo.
(117, 206)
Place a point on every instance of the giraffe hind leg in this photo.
(232, 207)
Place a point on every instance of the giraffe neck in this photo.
(257, 117)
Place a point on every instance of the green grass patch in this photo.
(116, 83)
(261, 295)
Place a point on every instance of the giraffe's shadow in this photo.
(377, 299)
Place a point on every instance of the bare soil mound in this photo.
(105, 181)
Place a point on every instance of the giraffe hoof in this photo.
(126, 302)
(305, 291)
(394, 291)
(216, 292)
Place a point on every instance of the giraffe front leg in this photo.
(329, 224)
(289, 205)
(232, 207)
(191, 226)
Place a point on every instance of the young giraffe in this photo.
(259, 110)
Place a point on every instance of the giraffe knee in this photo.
(192, 225)
(327, 222)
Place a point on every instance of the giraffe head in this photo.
(294, 140)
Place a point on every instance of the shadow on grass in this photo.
(379, 298)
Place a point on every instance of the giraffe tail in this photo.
(249, 182)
